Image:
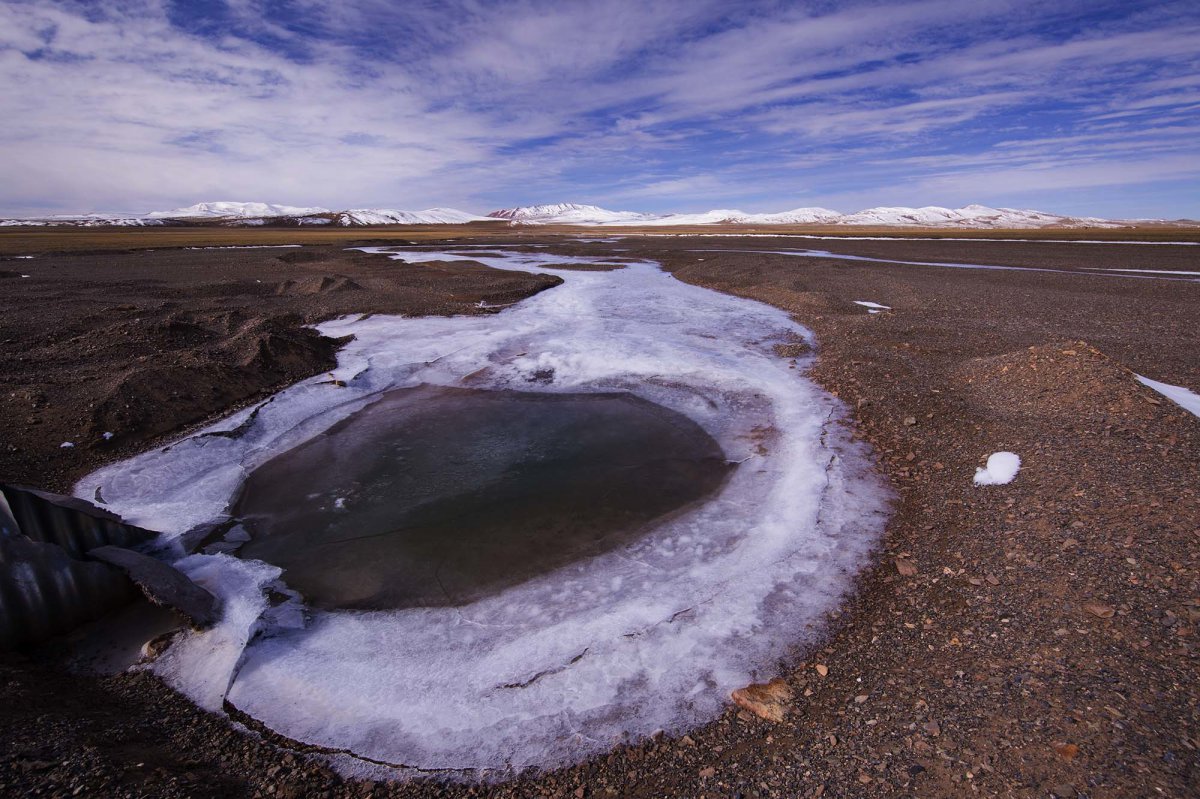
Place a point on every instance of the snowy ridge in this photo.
(970, 216)
(569, 214)
(82, 220)
(798, 216)
(576, 214)
(387, 216)
(224, 209)
(255, 213)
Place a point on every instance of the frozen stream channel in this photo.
(652, 633)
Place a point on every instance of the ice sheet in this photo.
(653, 635)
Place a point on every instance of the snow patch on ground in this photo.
(872, 307)
(1184, 398)
(651, 636)
(1001, 468)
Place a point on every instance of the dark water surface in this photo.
(438, 496)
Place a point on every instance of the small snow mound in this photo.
(66, 445)
(1001, 468)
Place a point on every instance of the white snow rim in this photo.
(651, 636)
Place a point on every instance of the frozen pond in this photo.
(441, 496)
(730, 569)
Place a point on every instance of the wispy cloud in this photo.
(679, 105)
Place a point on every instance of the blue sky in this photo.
(1085, 107)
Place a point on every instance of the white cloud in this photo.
(375, 102)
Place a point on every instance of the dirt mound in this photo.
(282, 350)
(1069, 381)
(303, 256)
(144, 343)
(153, 398)
(180, 330)
(324, 284)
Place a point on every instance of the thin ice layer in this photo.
(653, 635)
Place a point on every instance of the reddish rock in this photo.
(766, 700)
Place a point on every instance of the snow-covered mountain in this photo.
(83, 220)
(971, 216)
(715, 217)
(797, 216)
(254, 214)
(257, 213)
(977, 217)
(236, 210)
(387, 216)
(569, 214)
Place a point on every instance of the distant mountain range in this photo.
(241, 214)
(971, 216)
(254, 213)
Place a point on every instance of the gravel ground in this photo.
(1032, 639)
(144, 343)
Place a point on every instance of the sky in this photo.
(1083, 107)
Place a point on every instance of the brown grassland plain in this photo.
(19, 240)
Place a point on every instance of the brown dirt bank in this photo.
(141, 344)
(1033, 639)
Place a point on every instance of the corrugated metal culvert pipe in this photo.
(48, 584)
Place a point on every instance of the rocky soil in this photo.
(141, 344)
(1034, 639)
